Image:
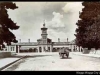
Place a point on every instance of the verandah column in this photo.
(38, 49)
(17, 49)
(7, 48)
(50, 48)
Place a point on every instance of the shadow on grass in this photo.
(15, 65)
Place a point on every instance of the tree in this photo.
(90, 11)
(93, 33)
(6, 24)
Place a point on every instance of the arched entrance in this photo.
(40, 49)
(48, 49)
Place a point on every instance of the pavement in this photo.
(4, 62)
(52, 62)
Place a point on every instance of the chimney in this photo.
(20, 40)
(67, 39)
(28, 40)
(58, 39)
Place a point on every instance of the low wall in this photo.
(98, 52)
(86, 51)
(92, 51)
(95, 52)
(5, 54)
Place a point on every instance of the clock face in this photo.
(44, 31)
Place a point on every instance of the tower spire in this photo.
(44, 24)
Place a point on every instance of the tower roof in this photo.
(44, 28)
(44, 24)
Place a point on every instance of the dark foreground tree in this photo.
(6, 24)
(90, 11)
(93, 34)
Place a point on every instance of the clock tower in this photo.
(44, 34)
(44, 38)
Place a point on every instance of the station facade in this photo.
(44, 44)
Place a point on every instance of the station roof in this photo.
(36, 43)
(61, 43)
(25, 43)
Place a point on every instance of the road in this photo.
(52, 62)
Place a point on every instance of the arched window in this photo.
(40, 49)
(49, 48)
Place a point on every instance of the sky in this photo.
(60, 19)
